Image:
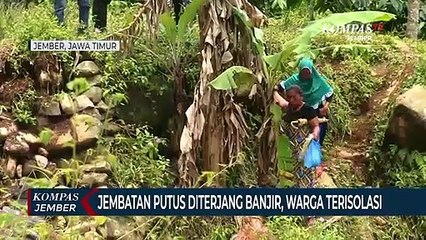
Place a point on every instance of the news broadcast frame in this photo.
(211, 119)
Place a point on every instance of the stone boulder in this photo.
(95, 80)
(86, 129)
(50, 108)
(15, 145)
(61, 135)
(3, 133)
(102, 107)
(98, 167)
(93, 179)
(11, 167)
(7, 126)
(41, 161)
(83, 102)
(87, 69)
(407, 126)
(94, 113)
(67, 104)
(94, 94)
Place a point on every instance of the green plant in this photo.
(397, 7)
(138, 162)
(45, 136)
(22, 107)
(78, 85)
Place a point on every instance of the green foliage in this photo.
(177, 33)
(278, 8)
(339, 47)
(150, 66)
(353, 85)
(19, 24)
(345, 228)
(420, 73)
(232, 78)
(138, 162)
(78, 85)
(397, 7)
(409, 167)
(301, 45)
(45, 136)
(292, 228)
(281, 30)
(23, 105)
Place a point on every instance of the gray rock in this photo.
(3, 133)
(94, 94)
(102, 107)
(41, 161)
(51, 108)
(87, 69)
(35, 219)
(99, 167)
(30, 138)
(94, 179)
(112, 128)
(67, 104)
(62, 135)
(407, 126)
(95, 80)
(11, 167)
(19, 171)
(86, 128)
(93, 112)
(9, 210)
(114, 229)
(43, 151)
(15, 145)
(83, 102)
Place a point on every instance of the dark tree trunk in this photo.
(413, 19)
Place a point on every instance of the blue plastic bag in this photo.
(313, 155)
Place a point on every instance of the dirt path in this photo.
(353, 150)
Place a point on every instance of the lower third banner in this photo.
(227, 202)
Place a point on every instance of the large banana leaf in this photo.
(188, 16)
(174, 32)
(301, 44)
(232, 78)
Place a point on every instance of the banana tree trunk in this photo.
(215, 124)
(412, 30)
(179, 115)
(153, 10)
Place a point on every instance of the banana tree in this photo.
(152, 10)
(215, 124)
(175, 38)
(292, 50)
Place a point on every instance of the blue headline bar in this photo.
(227, 202)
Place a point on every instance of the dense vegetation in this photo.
(141, 156)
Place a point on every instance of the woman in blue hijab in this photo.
(316, 91)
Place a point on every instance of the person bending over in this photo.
(296, 108)
(316, 91)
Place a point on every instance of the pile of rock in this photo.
(89, 102)
(71, 119)
(23, 150)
